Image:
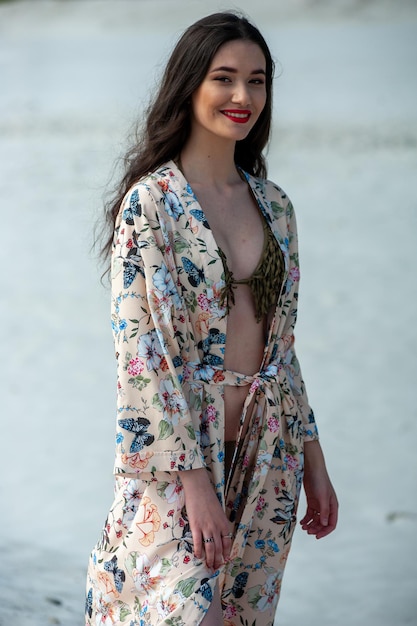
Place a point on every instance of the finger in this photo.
(198, 544)
(306, 521)
(332, 522)
(313, 528)
(209, 550)
(218, 552)
(334, 512)
(324, 514)
(227, 545)
(324, 531)
(311, 523)
(309, 517)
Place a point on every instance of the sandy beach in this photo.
(74, 76)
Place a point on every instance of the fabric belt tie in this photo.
(263, 383)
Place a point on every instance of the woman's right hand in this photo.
(206, 518)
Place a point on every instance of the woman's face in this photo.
(232, 95)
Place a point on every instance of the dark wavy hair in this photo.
(168, 121)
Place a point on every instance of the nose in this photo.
(241, 94)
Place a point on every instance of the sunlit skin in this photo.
(230, 99)
(235, 81)
(225, 108)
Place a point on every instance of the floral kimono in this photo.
(170, 333)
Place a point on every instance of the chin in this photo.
(237, 134)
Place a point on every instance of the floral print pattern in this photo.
(170, 331)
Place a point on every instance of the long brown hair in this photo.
(168, 121)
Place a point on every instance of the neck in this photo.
(209, 164)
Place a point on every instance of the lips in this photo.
(240, 116)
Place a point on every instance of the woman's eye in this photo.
(223, 79)
(258, 81)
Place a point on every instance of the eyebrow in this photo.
(232, 70)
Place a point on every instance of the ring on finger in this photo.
(228, 536)
(208, 540)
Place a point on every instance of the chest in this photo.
(237, 226)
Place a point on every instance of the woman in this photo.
(214, 431)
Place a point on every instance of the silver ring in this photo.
(228, 536)
(209, 540)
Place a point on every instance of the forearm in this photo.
(195, 482)
(313, 455)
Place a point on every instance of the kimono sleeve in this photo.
(296, 381)
(155, 429)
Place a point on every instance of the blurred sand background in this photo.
(73, 77)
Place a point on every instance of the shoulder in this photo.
(274, 191)
(158, 188)
(159, 196)
(151, 186)
(274, 197)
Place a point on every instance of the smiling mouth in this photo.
(241, 117)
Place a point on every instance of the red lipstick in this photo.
(240, 116)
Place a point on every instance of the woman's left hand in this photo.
(322, 506)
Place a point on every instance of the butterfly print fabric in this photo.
(170, 333)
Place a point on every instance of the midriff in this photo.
(244, 352)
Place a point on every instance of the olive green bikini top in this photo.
(265, 281)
